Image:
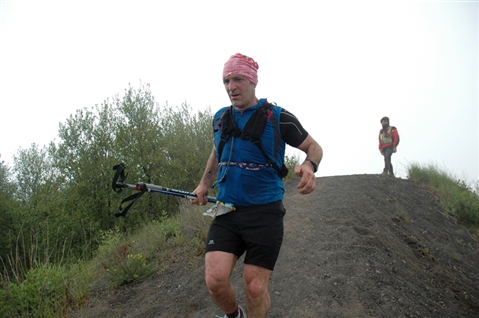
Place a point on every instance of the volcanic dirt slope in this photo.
(358, 246)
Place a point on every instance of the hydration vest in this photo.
(387, 137)
(252, 131)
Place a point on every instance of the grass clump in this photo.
(129, 258)
(403, 217)
(460, 200)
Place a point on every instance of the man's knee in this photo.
(256, 288)
(218, 269)
(256, 281)
(216, 281)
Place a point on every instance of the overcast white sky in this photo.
(339, 66)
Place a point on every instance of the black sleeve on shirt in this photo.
(291, 129)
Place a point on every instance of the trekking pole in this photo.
(118, 184)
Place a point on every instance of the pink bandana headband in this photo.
(240, 64)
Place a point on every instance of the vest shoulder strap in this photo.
(252, 131)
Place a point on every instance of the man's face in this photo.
(240, 91)
(384, 122)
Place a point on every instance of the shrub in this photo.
(45, 292)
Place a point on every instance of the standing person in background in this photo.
(249, 172)
(388, 141)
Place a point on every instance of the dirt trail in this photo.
(359, 246)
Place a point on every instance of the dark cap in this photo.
(384, 118)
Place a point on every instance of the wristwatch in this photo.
(315, 165)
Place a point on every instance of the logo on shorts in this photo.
(211, 242)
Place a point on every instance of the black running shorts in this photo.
(256, 230)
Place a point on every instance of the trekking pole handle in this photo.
(121, 185)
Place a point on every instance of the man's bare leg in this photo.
(218, 269)
(256, 280)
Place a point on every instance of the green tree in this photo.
(140, 145)
(84, 158)
(188, 146)
(32, 168)
(8, 205)
(43, 227)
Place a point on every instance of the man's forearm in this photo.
(211, 170)
(315, 152)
